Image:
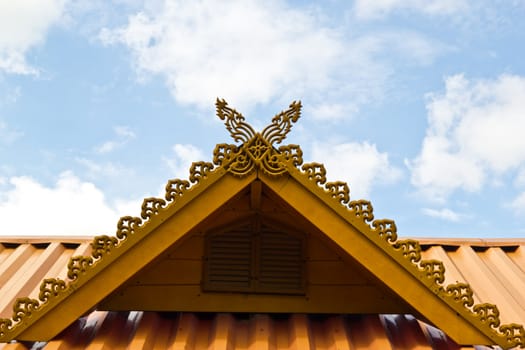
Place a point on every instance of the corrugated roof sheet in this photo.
(24, 263)
(188, 331)
(494, 268)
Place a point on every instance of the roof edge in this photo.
(430, 241)
(407, 252)
(106, 249)
(47, 239)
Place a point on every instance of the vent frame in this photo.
(265, 273)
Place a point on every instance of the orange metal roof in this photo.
(494, 268)
(188, 331)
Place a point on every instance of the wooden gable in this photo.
(325, 269)
(349, 262)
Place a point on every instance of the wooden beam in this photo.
(255, 195)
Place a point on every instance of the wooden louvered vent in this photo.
(255, 258)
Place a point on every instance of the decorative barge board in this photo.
(256, 230)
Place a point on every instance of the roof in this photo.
(495, 267)
(271, 190)
(189, 331)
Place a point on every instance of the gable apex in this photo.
(302, 186)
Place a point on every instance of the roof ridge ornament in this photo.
(257, 149)
(274, 133)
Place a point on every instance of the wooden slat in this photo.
(191, 248)
(229, 261)
(318, 250)
(342, 299)
(281, 264)
(334, 273)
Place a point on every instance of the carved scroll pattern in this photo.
(234, 121)
(431, 272)
(51, 287)
(282, 124)
(291, 154)
(101, 246)
(460, 293)
(24, 307)
(5, 325)
(513, 333)
(151, 206)
(257, 150)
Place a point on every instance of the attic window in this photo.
(254, 258)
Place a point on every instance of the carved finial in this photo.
(257, 149)
(282, 123)
(274, 133)
(234, 121)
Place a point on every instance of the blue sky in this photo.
(418, 105)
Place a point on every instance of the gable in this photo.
(367, 245)
(327, 270)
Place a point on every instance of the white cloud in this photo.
(107, 147)
(366, 9)
(23, 25)
(474, 134)
(243, 50)
(252, 52)
(180, 162)
(324, 111)
(124, 135)
(70, 207)
(361, 165)
(444, 214)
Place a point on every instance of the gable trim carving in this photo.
(258, 153)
